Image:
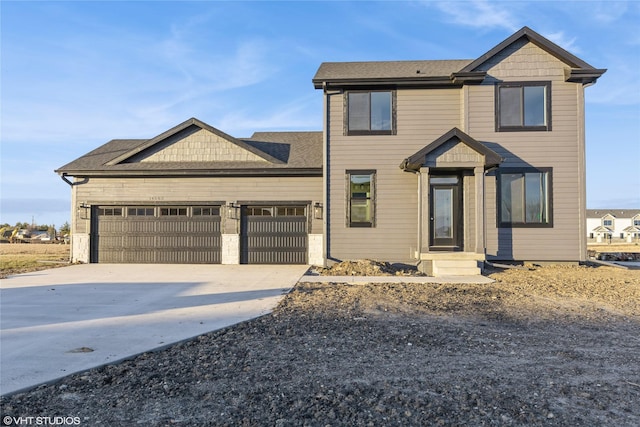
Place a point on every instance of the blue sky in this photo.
(77, 74)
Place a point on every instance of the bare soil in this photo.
(552, 346)
(17, 258)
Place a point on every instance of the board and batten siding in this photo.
(155, 191)
(562, 149)
(422, 117)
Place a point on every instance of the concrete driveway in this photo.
(60, 321)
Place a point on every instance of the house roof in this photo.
(266, 153)
(616, 213)
(416, 161)
(443, 72)
(602, 229)
(381, 72)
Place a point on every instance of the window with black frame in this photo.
(369, 113)
(523, 106)
(525, 198)
(361, 203)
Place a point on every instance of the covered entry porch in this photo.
(451, 211)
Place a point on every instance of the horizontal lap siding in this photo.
(559, 149)
(153, 191)
(422, 116)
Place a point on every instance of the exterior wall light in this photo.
(317, 210)
(233, 211)
(83, 210)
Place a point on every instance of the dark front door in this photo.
(445, 213)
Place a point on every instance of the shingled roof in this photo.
(442, 72)
(438, 70)
(271, 153)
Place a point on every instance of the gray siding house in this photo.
(444, 164)
(451, 163)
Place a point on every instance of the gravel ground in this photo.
(552, 346)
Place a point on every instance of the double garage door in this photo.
(157, 234)
(269, 234)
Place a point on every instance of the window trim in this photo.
(608, 217)
(349, 132)
(523, 128)
(524, 170)
(372, 198)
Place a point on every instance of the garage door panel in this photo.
(269, 238)
(140, 235)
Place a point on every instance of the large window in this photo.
(523, 106)
(369, 113)
(524, 198)
(361, 198)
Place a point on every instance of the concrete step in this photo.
(450, 267)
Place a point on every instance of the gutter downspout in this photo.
(582, 165)
(72, 216)
(325, 179)
(326, 193)
(63, 175)
(405, 167)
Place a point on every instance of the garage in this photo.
(194, 194)
(274, 234)
(177, 234)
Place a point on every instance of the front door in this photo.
(446, 213)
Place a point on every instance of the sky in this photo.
(77, 74)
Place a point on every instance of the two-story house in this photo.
(613, 225)
(454, 162)
(444, 164)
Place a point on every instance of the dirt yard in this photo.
(25, 257)
(546, 346)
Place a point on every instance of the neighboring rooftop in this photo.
(618, 213)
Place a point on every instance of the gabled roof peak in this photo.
(184, 126)
(416, 161)
(581, 71)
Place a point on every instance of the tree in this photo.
(65, 228)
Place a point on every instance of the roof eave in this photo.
(308, 171)
(385, 81)
(584, 76)
(468, 77)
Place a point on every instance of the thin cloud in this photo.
(480, 14)
(561, 39)
(299, 114)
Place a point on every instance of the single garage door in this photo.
(274, 235)
(156, 234)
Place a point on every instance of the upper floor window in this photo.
(361, 198)
(636, 221)
(523, 106)
(607, 221)
(370, 113)
(524, 198)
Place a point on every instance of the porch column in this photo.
(424, 219)
(479, 180)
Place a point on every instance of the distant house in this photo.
(440, 163)
(613, 225)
